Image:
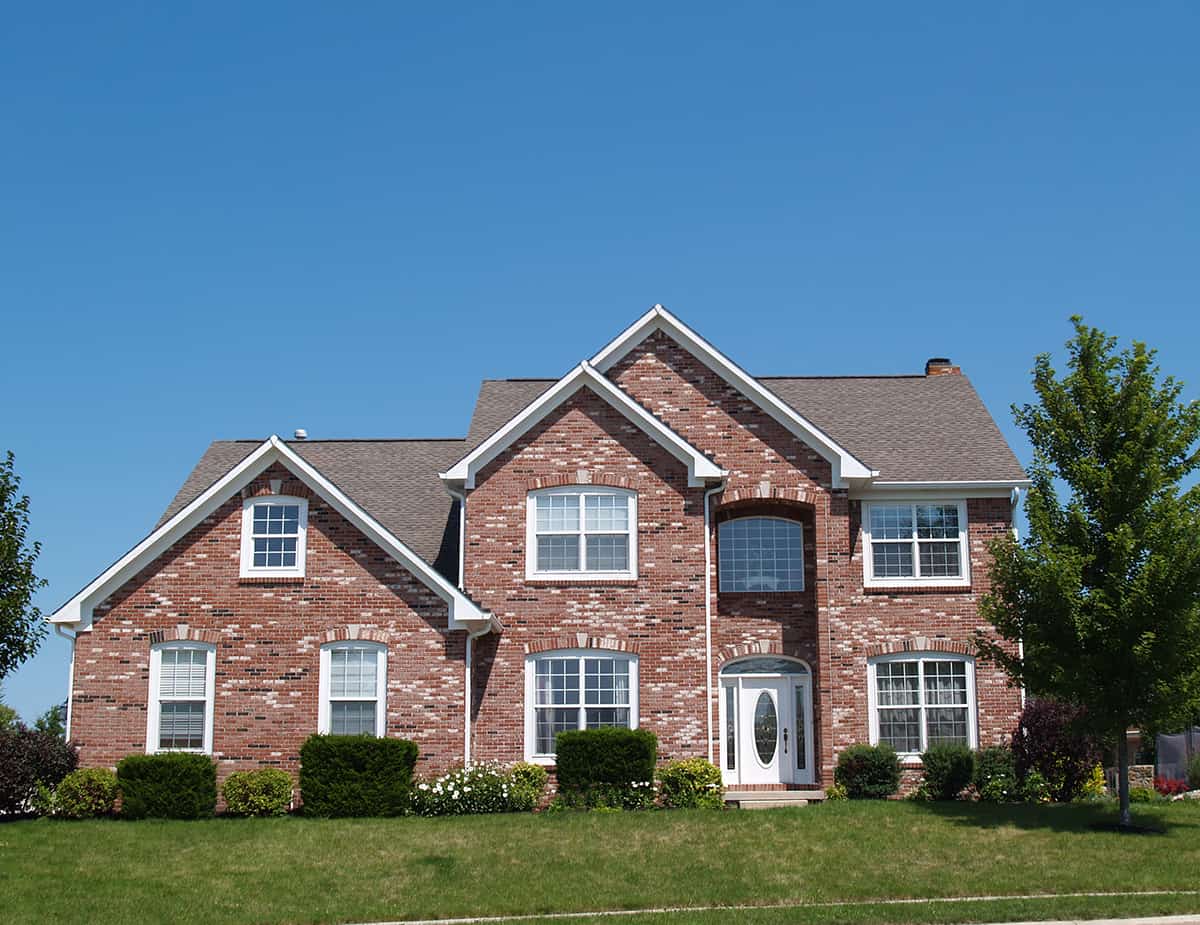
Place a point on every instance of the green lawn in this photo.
(300, 870)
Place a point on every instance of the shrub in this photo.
(174, 785)
(526, 786)
(606, 767)
(356, 775)
(1193, 772)
(1035, 788)
(481, 788)
(995, 775)
(949, 769)
(265, 792)
(1168, 787)
(868, 772)
(28, 757)
(1143, 795)
(836, 794)
(1050, 738)
(1095, 787)
(87, 793)
(691, 783)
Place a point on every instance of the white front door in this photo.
(766, 727)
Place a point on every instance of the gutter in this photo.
(708, 661)
(461, 498)
(68, 635)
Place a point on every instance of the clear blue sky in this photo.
(226, 221)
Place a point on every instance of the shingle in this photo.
(499, 401)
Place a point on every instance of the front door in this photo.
(768, 732)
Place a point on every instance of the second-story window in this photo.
(274, 529)
(760, 554)
(582, 531)
(912, 543)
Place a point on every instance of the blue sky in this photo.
(225, 221)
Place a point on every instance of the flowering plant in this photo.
(480, 788)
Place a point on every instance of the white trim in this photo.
(873, 695)
(901, 490)
(700, 467)
(153, 700)
(941, 581)
(249, 570)
(531, 661)
(733, 680)
(324, 717)
(464, 613)
(582, 573)
(845, 465)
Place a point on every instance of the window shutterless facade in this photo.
(906, 543)
(353, 689)
(581, 532)
(760, 554)
(180, 714)
(576, 689)
(274, 534)
(921, 700)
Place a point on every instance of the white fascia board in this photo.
(845, 465)
(464, 613)
(700, 468)
(998, 488)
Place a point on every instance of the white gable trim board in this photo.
(464, 613)
(846, 466)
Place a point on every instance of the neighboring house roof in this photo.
(700, 467)
(464, 613)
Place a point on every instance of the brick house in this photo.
(761, 571)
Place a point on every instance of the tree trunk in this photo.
(1123, 776)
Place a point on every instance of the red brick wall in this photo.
(268, 635)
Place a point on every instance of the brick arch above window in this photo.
(762, 647)
(579, 477)
(181, 632)
(764, 491)
(274, 482)
(580, 641)
(920, 644)
(355, 632)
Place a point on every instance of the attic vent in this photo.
(941, 366)
(300, 434)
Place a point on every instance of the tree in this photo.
(52, 721)
(1103, 593)
(21, 626)
(8, 717)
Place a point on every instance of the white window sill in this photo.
(272, 573)
(577, 577)
(547, 760)
(917, 583)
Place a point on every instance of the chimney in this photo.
(941, 366)
(300, 434)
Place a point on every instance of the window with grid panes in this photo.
(353, 688)
(582, 530)
(915, 542)
(579, 691)
(760, 554)
(923, 702)
(273, 536)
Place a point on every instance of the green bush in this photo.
(606, 767)
(356, 775)
(836, 793)
(175, 785)
(86, 794)
(691, 783)
(1035, 788)
(265, 792)
(481, 788)
(1144, 795)
(996, 775)
(1193, 772)
(949, 769)
(527, 783)
(868, 772)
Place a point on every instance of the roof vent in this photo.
(300, 434)
(941, 366)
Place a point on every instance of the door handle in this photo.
(785, 740)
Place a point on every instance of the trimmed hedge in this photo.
(88, 793)
(868, 772)
(606, 767)
(29, 758)
(691, 783)
(174, 785)
(265, 792)
(356, 775)
(949, 769)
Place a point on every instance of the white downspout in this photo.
(66, 634)
(461, 497)
(708, 662)
(1015, 499)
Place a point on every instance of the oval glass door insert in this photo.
(766, 728)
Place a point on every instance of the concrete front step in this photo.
(772, 799)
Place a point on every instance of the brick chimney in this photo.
(941, 366)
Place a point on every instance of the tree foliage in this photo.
(1104, 590)
(21, 626)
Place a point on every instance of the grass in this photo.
(322, 871)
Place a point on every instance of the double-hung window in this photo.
(274, 532)
(915, 543)
(919, 701)
(180, 714)
(584, 689)
(353, 688)
(581, 531)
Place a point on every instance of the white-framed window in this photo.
(274, 531)
(180, 702)
(581, 531)
(918, 700)
(577, 689)
(760, 554)
(922, 542)
(353, 689)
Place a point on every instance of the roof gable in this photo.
(464, 613)
(845, 464)
(700, 468)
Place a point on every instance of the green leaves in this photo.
(21, 626)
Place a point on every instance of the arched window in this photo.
(922, 699)
(760, 554)
(274, 530)
(577, 689)
(353, 688)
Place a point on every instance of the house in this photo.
(762, 571)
